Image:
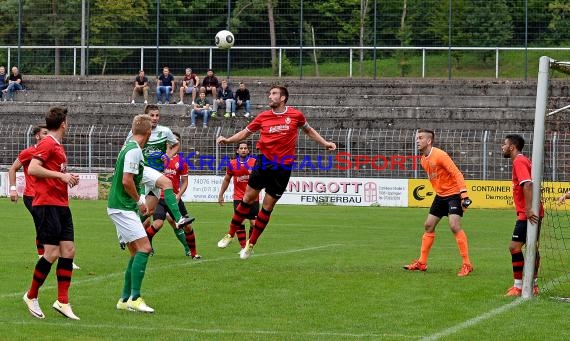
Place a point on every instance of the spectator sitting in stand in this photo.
(242, 99)
(189, 85)
(141, 87)
(225, 99)
(202, 106)
(210, 82)
(3, 80)
(14, 83)
(164, 85)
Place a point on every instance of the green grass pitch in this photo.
(318, 273)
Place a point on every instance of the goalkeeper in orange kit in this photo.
(451, 200)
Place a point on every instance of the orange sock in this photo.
(463, 246)
(427, 241)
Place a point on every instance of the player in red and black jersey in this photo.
(51, 206)
(279, 130)
(522, 195)
(239, 169)
(23, 160)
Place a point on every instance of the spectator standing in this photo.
(141, 87)
(242, 99)
(164, 85)
(211, 84)
(189, 85)
(225, 99)
(202, 106)
(14, 83)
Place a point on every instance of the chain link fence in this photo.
(361, 153)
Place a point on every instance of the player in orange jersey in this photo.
(451, 200)
(240, 169)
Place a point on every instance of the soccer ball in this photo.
(224, 39)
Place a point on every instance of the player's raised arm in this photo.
(315, 136)
(242, 135)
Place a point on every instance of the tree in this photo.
(559, 24)
(486, 24)
(109, 21)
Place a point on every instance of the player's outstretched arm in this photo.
(315, 136)
(242, 135)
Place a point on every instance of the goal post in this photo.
(555, 228)
(537, 171)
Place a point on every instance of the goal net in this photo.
(551, 168)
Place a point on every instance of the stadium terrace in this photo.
(339, 161)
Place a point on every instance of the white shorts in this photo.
(128, 225)
(189, 89)
(149, 179)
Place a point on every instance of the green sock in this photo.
(170, 200)
(182, 238)
(137, 273)
(127, 286)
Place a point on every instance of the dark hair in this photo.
(150, 107)
(246, 144)
(37, 129)
(55, 117)
(177, 134)
(283, 90)
(428, 132)
(516, 140)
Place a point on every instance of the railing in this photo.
(146, 57)
(361, 153)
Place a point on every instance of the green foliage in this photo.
(486, 24)
(559, 23)
(287, 68)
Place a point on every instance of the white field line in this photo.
(471, 322)
(119, 328)
(176, 265)
(485, 316)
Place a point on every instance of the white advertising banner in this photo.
(4, 185)
(205, 188)
(346, 192)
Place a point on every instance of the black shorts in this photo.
(271, 176)
(55, 224)
(161, 210)
(519, 233)
(444, 206)
(252, 211)
(28, 203)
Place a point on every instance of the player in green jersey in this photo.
(124, 202)
(153, 180)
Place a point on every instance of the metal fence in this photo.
(423, 61)
(363, 153)
(166, 27)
